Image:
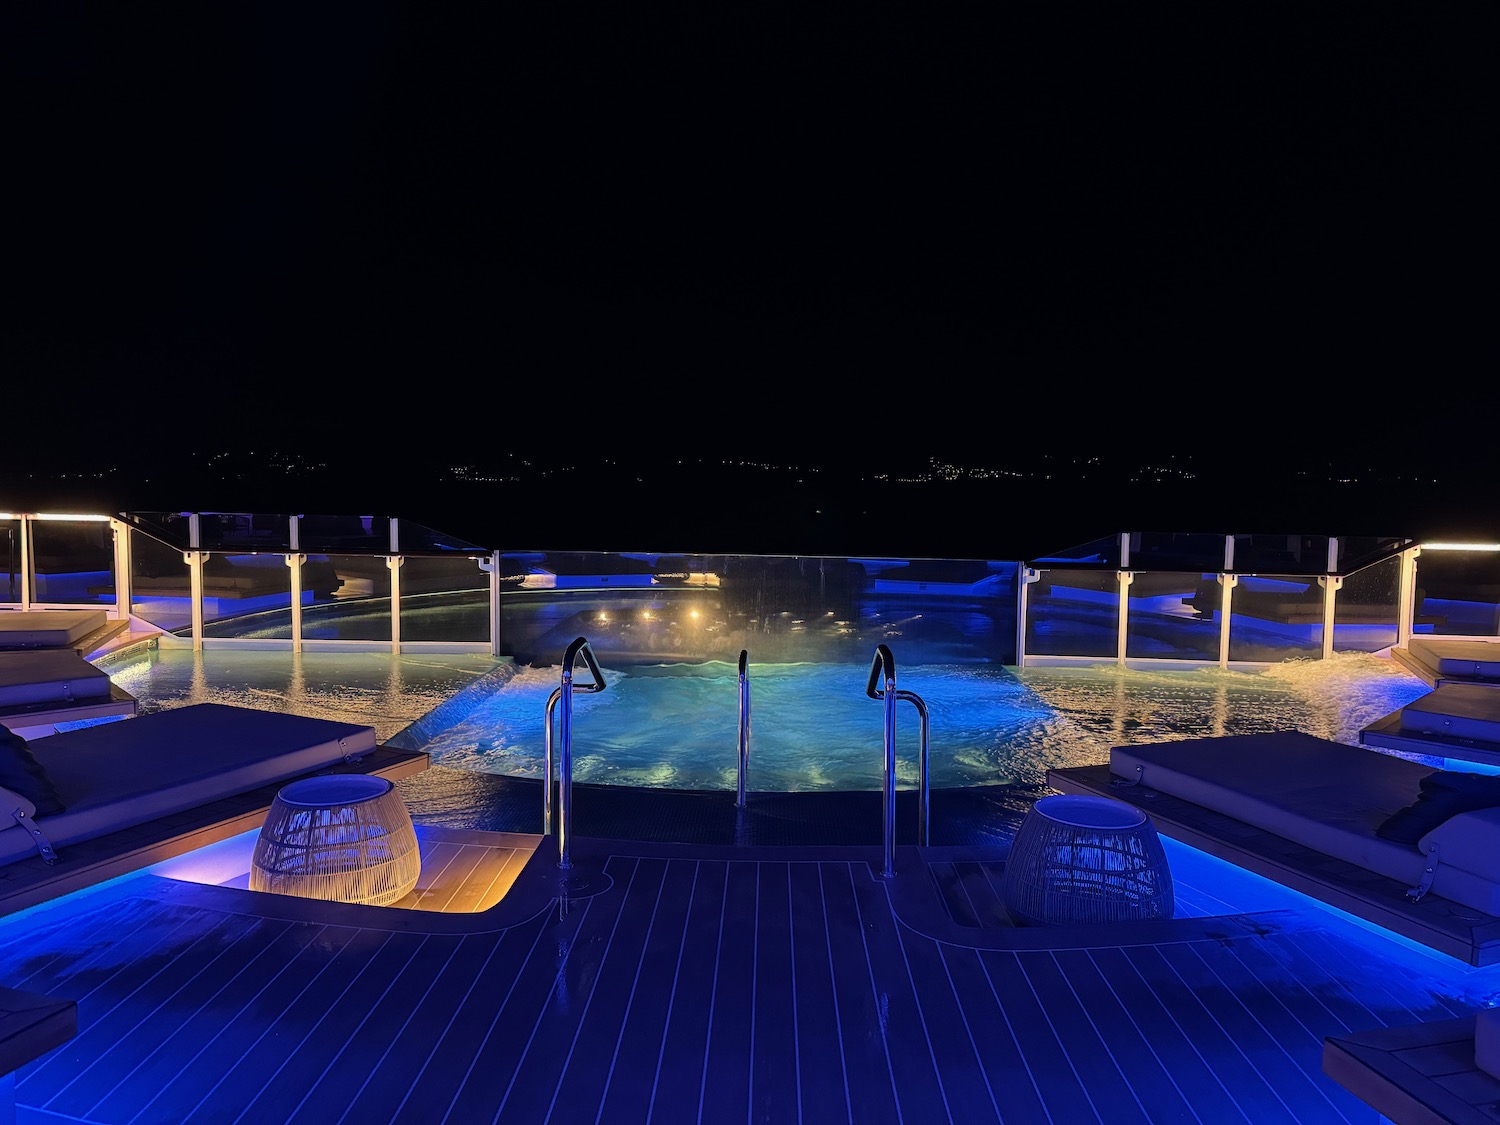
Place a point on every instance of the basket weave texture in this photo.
(1086, 859)
(338, 838)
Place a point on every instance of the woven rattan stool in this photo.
(1086, 859)
(343, 838)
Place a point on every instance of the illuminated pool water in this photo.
(812, 726)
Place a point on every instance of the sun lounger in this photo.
(89, 804)
(1322, 818)
(1439, 660)
(1437, 1071)
(1457, 720)
(83, 630)
(44, 687)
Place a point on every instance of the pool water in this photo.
(813, 727)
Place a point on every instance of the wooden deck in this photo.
(683, 983)
(463, 871)
(1417, 1074)
(1448, 927)
(26, 882)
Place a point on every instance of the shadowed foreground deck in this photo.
(688, 982)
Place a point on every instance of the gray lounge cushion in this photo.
(1487, 1041)
(21, 773)
(120, 774)
(1456, 710)
(1444, 794)
(50, 675)
(48, 628)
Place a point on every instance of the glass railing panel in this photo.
(1275, 617)
(651, 609)
(12, 575)
(171, 527)
(244, 588)
(353, 601)
(1155, 550)
(73, 561)
(1367, 608)
(344, 534)
(1103, 552)
(418, 538)
(444, 599)
(1073, 613)
(1281, 554)
(1172, 615)
(160, 587)
(1458, 592)
(245, 532)
(1359, 551)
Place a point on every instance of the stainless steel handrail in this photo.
(744, 725)
(885, 661)
(579, 647)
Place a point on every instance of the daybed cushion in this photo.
(1468, 840)
(1487, 1041)
(21, 773)
(1444, 794)
(42, 628)
(1325, 795)
(50, 675)
(1457, 710)
(127, 772)
(1479, 659)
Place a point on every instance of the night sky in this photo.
(808, 234)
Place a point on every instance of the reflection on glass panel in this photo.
(417, 537)
(1365, 610)
(1275, 617)
(1073, 613)
(10, 559)
(160, 589)
(242, 586)
(1359, 551)
(1458, 592)
(1281, 554)
(1105, 552)
(1164, 620)
(345, 534)
(444, 599)
(244, 531)
(1175, 550)
(653, 609)
(73, 561)
(169, 527)
(357, 608)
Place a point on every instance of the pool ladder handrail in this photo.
(885, 661)
(564, 692)
(744, 725)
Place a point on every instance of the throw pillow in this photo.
(21, 773)
(1444, 794)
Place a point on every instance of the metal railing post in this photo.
(744, 726)
(565, 736)
(885, 662)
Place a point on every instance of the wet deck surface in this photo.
(707, 981)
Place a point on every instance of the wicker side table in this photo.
(342, 838)
(1086, 859)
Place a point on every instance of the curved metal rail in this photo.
(579, 647)
(885, 662)
(744, 725)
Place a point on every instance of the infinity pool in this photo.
(812, 727)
